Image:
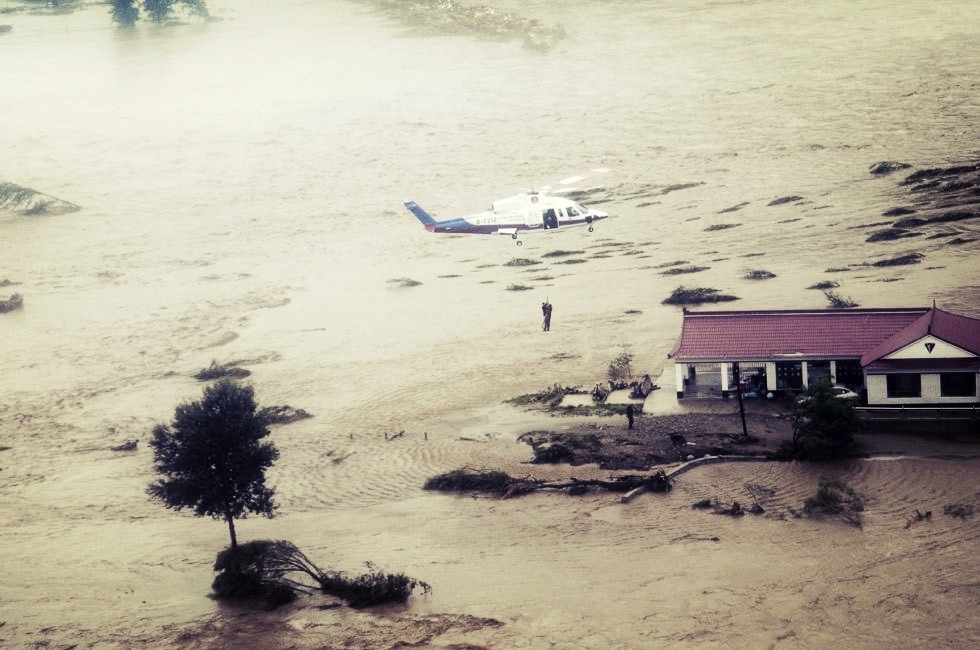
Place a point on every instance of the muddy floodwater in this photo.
(240, 184)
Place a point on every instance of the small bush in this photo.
(561, 253)
(758, 274)
(619, 368)
(521, 261)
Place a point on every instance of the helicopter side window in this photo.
(572, 212)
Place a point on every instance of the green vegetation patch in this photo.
(522, 261)
(758, 274)
(518, 287)
(561, 253)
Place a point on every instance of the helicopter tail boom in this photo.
(421, 214)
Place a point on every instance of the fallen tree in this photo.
(506, 486)
(277, 572)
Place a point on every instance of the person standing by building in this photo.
(629, 414)
(546, 312)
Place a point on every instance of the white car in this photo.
(840, 392)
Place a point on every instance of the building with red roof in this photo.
(913, 356)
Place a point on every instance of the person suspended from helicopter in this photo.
(546, 312)
(629, 414)
(550, 218)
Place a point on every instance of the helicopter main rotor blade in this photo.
(568, 184)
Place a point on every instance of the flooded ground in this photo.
(241, 185)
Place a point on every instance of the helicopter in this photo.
(530, 211)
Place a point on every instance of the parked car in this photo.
(840, 392)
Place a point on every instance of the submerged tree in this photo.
(823, 424)
(127, 12)
(212, 458)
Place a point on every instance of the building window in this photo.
(789, 375)
(849, 373)
(904, 385)
(958, 384)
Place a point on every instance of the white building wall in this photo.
(931, 393)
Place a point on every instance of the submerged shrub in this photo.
(785, 199)
(678, 270)
(217, 371)
(682, 296)
(835, 497)
(372, 588)
(901, 260)
(404, 282)
(824, 285)
(466, 480)
(838, 301)
(721, 226)
(553, 453)
(890, 234)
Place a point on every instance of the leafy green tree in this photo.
(212, 459)
(823, 424)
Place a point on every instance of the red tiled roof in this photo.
(961, 331)
(926, 366)
(786, 334)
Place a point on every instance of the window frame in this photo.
(894, 390)
(957, 390)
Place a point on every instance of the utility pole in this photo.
(737, 376)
